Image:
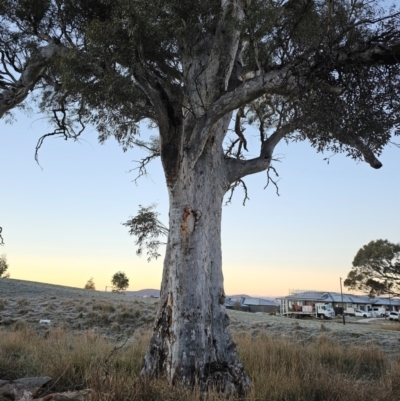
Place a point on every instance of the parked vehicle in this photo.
(378, 312)
(394, 315)
(349, 312)
(322, 311)
(362, 313)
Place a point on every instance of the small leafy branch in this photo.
(147, 228)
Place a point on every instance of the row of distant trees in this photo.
(119, 281)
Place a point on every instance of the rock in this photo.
(22, 389)
(27, 390)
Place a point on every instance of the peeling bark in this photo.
(191, 341)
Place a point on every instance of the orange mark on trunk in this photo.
(185, 226)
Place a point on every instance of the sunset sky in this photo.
(62, 221)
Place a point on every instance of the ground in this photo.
(117, 317)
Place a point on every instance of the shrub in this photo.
(103, 306)
(237, 306)
(90, 284)
(22, 302)
(3, 266)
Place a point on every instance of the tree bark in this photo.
(191, 342)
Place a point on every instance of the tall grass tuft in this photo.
(319, 370)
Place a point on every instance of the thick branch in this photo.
(375, 54)
(169, 119)
(368, 154)
(16, 93)
(244, 94)
(273, 81)
(238, 169)
(282, 80)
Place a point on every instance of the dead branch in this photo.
(239, 129)
(153, 147)
(107, 360)
(232, 188)
(271, 180)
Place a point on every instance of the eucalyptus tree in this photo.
(199, 72)
(376, 269)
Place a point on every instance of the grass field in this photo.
(283, 360)
(322, 370)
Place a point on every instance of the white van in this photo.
(378, 312)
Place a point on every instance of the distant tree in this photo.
(1, 238)
(3, 266)
(119, 281)
(237, 306)
(90, 284)
(376, 269)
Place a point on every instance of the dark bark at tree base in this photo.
(225, 375)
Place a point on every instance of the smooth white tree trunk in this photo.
(191, 341)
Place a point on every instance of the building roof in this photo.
(258, 301)
(317, 296)
(249, 301)
(387, 301)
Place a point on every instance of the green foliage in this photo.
(105, 46)
(90, 284)
(120, 282)
(3, 267)
(376, 269)
(147, 228)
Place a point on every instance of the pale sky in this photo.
(61, 222)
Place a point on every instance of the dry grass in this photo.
(21, 302)
(322, 370)
(388, 326)
(280, 370)
(103, 306)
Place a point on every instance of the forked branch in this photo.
(238, 169)
(233, 186)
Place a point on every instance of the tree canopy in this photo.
(376, 269)
(120, 282)
(322, 71)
